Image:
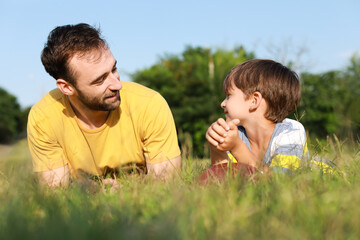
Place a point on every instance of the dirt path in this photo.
(5, 150)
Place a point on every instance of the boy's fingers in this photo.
(236, 121)
(223, 123)
(215, 135)
(220, 130)
(211, 140)
(233, 123)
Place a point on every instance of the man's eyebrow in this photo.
(103, 75)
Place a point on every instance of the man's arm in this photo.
(161, 149)
(55, 177)
(165, 170)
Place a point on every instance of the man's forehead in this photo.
(92, 56)
(81, 62)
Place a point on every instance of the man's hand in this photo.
(110, 185)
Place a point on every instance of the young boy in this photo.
(260, 94)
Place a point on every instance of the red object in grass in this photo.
(217, 173)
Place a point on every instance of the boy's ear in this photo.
(255, 100)
(65, 87)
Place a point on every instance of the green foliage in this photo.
(308, 205)
(352, 113)
(319, 99)
(13, 120)
(192, 85)
(22, 121)
(330, 102)
(9, 116)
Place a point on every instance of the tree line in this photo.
(13, 119)
(192, 84)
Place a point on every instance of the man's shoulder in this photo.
(137, 98)
(51, 103)
(136, 89)
(50, 98)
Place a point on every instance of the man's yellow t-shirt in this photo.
(140, 131)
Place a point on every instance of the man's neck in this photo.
(90, 119)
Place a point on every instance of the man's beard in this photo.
(98, 104)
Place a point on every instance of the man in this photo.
(93, 124)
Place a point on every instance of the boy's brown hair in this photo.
(278, 85)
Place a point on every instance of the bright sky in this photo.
(139, 32)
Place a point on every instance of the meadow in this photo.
(306, 205)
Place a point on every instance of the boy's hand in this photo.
(232, 136)
(222, 135)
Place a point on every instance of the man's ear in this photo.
(255, 100)
(65, 87)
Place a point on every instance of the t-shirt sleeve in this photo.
(45, 150)
(159, 132)
(289, 148)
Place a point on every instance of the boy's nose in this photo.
(223, 104)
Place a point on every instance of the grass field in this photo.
(307, 205)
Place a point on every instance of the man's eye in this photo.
(101, 80)
(114, 69)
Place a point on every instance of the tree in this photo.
(351, 100)
(9, 116)
(330, 102)
(192, 85)
(319, 97)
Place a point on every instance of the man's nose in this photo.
(115, 83)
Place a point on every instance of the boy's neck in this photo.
(259, 134)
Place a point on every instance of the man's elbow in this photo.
(59, 177)
(165, 170)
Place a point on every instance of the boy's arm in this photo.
(214, 134)
(241, 152)
(217, 156)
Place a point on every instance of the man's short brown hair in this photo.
(63, 43)
(279, 85)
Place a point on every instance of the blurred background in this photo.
(184, 49)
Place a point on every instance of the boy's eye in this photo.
(114, 69)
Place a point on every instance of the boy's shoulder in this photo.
(291, 124)
(289, 131)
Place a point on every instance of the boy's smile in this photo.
(235, 105)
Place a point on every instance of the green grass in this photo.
(308, 205)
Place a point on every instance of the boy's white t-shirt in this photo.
(287, 146)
